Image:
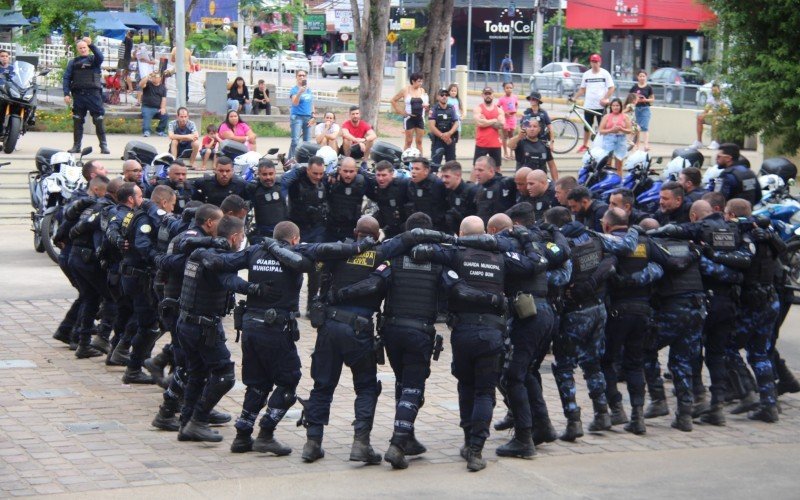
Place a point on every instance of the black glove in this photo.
(221, 243)
(546, 226)
(708, 251)
(669, 231)
(522, 234)
(759, 234)
(188, 214)
(365, 244)
(212, 261)
(639, 229)
(498, 301)
(255, 289)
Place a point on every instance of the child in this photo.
(508, 104)
(629, 109)
(209, 147)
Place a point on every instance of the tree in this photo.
(67, 16)
(760, 63)
(434, 42)
(584, 42)
(370, 28)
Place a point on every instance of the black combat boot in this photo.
(100, 128)
(62, 334)
(312, 451)
(266, 443)
(464, 450)
(396, 455)
(243, 442)
(658, 406)
(156, 365)
(218, 418)
(121, 354)
(618, 415)
(765, 413)
(85, 351)
(74, 340)
(165, 419)
(520, 446)
(506, 423)
(747, 403)
(787, 383)
(362, 451)
(701, 404)
(714, 415)
(136, 377)
(636, 425)
(77, 134)
(602, 420)
(683, 418)
(574, 428)
(543, 431)
(413, 447)
(200, 431)
(101, 344)
(475, 461)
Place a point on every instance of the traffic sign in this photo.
(391, 37)
(345, 37)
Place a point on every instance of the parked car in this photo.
(344, 64)
(229, 52)
(289, 60)
(561, 77)
(672, 84)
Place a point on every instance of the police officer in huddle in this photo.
(176, 179)
(269, 204)
(270, 363)
(83, 79)
(213, 189)
(460, 196)
(206, 298)
(736, 180)
(443, 122)
(426, 193)
(478, 326)
(390, 193)
(140, 232)
(495, 193)
(346, 190)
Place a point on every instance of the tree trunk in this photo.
(370, 29)
(434, 43)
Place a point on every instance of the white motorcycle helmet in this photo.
(60, 160)
(711, 174)
(410, 154)
(674, 168)
(595, 154)
(639, 159)
(770, 182)
(244, 162)
(329, 156)
(163, 159)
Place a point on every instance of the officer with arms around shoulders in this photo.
(213, 189)
(267, 200)
(390, 193)
(83, 79)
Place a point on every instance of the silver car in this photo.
(560, 77)
(343, 64)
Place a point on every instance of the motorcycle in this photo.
(51, 186)
(18, 103)
(246, 165)
(155, 165)
(642, 180)
(597, 174)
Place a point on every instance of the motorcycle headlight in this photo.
(28, 94)
(14, 92)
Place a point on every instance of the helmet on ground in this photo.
(410, 154)
(329, 157)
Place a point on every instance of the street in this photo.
(70, 427)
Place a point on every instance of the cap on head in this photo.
(595, 58)
(535, 96)
(488, 90)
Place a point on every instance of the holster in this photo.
(438, 346)
(238, 317)
(316, 315)
(380, 356)
(168, 307)
(113, 281)
(86, 254)
(524, 305)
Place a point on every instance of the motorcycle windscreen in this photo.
(23, 74)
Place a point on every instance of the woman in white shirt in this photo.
(327, 132)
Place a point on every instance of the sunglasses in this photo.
(487, 93)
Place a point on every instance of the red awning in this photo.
(637, 14)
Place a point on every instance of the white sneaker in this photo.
(713, 145)
(696, 145)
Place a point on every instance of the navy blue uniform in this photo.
(82, 78)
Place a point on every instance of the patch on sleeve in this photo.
(452, 274)
(552, 247)
(146, 228)
(513, 255)
(382, 267)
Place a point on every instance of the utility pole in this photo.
(448, 55)
(469, 37)
(537, 40)
(239, 40)
(557, 43)
(180, 50)
(301, 44)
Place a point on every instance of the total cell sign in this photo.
(519, 28)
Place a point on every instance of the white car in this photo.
(229, 52)
(288, 60)
(344, 64)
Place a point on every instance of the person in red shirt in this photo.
(489, 120)
(356, 132)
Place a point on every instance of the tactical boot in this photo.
(181, 435)
(683, 418)
(362, 451)
(265, 443)
(100, 128)
(121, 354)
(658, 406)
(243, 442)
(748, 403)
(701, 404)
(165, 419)
(73, 340)
(714, 415)
(520, 446)
(101, 344)
(636, 425)
(312, 451)
(602, 420)
(200, 431)
(136, 377)
(413, 447)
(765, 413)
(543, 432)
(395, 456)
(506, 423)
(156, 365)
(62, 335)
(574, 428)
(464, 450)
(786, 379)
(475, 461)
(618, 415)
(87, 351)
(218, 418)
(77, 134)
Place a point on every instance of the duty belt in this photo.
(197, 319)
(630, 308)
(570, 306)
(416, 324)
(486, 319)
(130, 271)
(355, 321)
(271, 315)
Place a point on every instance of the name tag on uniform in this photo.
(489, 195)
(392, 203)
(419, 193)
(458, 202)
(276, 196)
(320, 194)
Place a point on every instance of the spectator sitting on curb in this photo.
(327, 132)
(357, 132)
(183, 135)
(261, 99)
(239, 96)
(235, 129)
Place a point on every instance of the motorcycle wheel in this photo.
(793, 262)
(14, 128)
(49, 229)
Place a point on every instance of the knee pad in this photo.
(287, 395)
(223, 378)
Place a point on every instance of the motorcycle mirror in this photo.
(272, 151)
(86, 151)
(659, 160)
(43, 73)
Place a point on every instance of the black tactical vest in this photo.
(263, 267)
(679, 282)
(85, 78)
(750, 189)
(352, 270)
(762, 267)
(536, 285)
(345, 202)
(390, 202)
(414, 290)
(533, 155)
(428, 197)
(586, 258)
(483, 270)
(629, 265)
(443, 118)
(720, 235)
(201, 294)
(307, 202)
(174, 281)
(489, 198)
(269, 205)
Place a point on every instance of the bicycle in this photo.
(566, 134)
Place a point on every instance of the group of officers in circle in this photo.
(520, 266)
